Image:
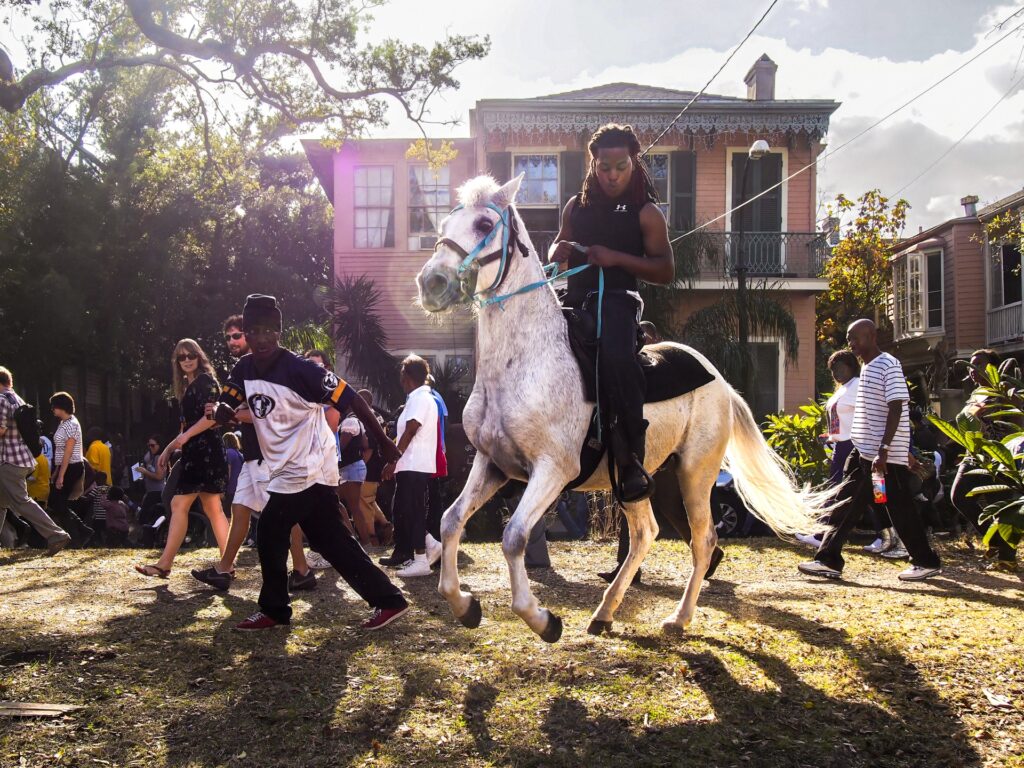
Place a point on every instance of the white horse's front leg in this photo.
(546, 482)
(643, 529)
(483, 481)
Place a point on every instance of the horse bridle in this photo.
(509, 242)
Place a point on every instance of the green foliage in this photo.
(690, 254)
(447, 381)
(858, 272)
(796, 438)
(359, 331)
(994, 446)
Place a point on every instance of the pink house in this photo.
(386, 206)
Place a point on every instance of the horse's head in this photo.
(467, 256)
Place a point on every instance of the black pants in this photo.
(316, 511)
(409, 510)
(621, 379)
(973, 510)
(857, 495)
(435, 510)
(62, 511)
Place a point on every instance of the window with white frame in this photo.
(429, 202)
(1006, 275)
(658, 165)
(917, 293)
(540, 184)
(374, 206)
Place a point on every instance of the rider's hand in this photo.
(561, 252)
(600, 256)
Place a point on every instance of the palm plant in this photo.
(359, 332)
(446, 381)
(691, 254)
(309, 335)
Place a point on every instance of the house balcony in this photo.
(1005, 324)
(771, 256)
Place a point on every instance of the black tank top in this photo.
(614, 224)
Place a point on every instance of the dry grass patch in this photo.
(778, 671)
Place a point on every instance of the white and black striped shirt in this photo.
(881, 382)
(68, 429)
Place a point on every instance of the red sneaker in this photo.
(257, 621)
(384, 616)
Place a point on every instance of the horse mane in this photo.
(478, 192)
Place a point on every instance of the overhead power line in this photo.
(708, 83)
(849, 141)
(945, 154)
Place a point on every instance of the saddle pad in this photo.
(670, 370)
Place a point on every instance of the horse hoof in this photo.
(599, 627)
(673, 629)
(553, 631)
(471, 618)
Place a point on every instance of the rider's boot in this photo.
(635, 483)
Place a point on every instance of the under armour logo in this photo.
(261, 406)
(620, 208)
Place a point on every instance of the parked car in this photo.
(732, 518)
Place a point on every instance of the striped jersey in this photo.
(69, 429)
(881, 382)
(286, 400)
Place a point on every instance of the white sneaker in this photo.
(418, 567)
(874, 547)
(814, 568)
(433, 550)
(811, 541)
(316, 561)
(917, 573)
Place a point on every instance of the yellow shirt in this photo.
(98, 457)
(39, 480)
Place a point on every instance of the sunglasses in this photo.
(187, 356)
(233, 336)
(153, 445)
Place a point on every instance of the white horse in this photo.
(527, 417)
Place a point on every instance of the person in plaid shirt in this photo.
(16, 464)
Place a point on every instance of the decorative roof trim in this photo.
(570, 122)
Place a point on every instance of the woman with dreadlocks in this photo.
(615, 223)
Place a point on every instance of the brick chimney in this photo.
(970, 204)
(760, 79)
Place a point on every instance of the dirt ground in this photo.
(778, 670)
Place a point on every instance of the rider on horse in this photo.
(615, 223)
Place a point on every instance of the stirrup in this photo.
(646, 493)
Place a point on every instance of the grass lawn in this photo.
(778, 670)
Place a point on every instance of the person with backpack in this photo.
(19, 445)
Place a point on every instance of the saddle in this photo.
(669, 371)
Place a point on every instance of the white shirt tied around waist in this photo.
(881, 383)
(421, 453)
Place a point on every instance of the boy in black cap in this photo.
(285, 394)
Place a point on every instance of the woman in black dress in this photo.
(204, 468)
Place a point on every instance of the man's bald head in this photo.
(862, 336)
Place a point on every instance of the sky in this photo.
(870, 55)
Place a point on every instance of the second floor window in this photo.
(540, 185)
(375, 206)
(1006, 275)
(429, 202)
(917, 293)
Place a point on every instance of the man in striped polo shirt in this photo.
(881, 443)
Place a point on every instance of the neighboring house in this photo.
(953, 293)
(697, 166)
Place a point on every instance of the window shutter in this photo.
(743, 218)
(499, 165)
(682, 195)
(574, 168)
(768, 213)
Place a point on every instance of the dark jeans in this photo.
(61, 509)
(972, 509)
(410, 512)
(435, 510)
(621, 379)
(856, 496)
(316, 511)
(840, 452)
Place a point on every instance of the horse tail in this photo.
(766, 483)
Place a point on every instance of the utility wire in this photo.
(943, 156)
(700, 93)
(849, 141)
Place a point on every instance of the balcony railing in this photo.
(1005, 323)
(714, 255)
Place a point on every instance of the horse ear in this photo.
(505, 196)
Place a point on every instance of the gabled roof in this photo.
(1010, 201)
(633, 92)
